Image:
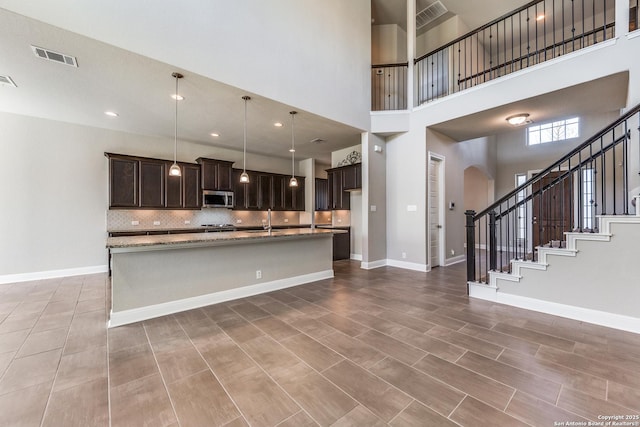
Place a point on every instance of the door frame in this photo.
(441, 211)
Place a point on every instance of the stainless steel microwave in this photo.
(217, 199)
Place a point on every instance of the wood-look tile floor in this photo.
(367, 348)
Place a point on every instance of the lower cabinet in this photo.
(342, 245)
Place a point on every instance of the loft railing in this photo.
(593, 179)
(633, 15)
(534, 33)
(389, 87)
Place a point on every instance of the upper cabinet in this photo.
(267, 191)
(123, 182)
(322, 194)
(216, 174)
(352, 177)
(139, 182)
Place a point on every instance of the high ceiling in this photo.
(139, 88)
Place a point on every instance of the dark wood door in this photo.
(322, 194)
(551, 209)
(252, 194)
(299, 195)
(123, 183)
(239, 191)
(152, 183)
(338, 198)
(191, 186)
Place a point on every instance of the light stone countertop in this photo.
(166, 241)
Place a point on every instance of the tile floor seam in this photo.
(164, 383)
(271, 378)
(53, 383)
(413, 399)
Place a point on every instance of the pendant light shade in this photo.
(174, 170)
(244, 177)
(293, 182)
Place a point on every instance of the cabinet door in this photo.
(265, 183)
(123, 183)
(224, 176)
(279, 187)
(352, 177)
(152, 183)
(322, 194)
(191, 186)
(173, 196)
(253, 189)
(208, 170)
(299, 195)
(239, 190)
(342, 246)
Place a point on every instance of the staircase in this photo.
(570, 253)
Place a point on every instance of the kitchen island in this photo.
(156, 275)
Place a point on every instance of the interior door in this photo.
(551, 215)
(435, 222)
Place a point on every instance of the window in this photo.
(588, 189)
(522, 213)
(553, 131)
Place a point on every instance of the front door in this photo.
(551, 214)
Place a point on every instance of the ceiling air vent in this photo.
(430, 14)
(317, 141)
(54, 56)
(6, 80)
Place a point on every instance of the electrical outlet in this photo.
(286, 220)
(258, 274)
(453, 252)
(404, 255)
(156, 222)
(187, 222)
(238, 221)
(339, 220)
(135, 222)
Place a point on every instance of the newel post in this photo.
(471, 245)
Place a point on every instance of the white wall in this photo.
(55, 190)
(407, 152)
(388, 44)
(314, 55)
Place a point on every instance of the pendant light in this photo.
(174, 170)
(293, 182)
(244, 177)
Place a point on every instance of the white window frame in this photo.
(555, 131)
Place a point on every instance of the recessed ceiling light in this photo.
(111, 113)
(540, 18)
(177, 97)
(278, 124)
(215, 135)
(292, 150)
(518, 119)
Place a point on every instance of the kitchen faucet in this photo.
(267, 226)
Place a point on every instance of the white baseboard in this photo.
(356, 257)
(408, 265)
(373, 264)
(455, 260)
(602, 318)
(138, 314)
(52, 274)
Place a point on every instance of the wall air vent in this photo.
(54, 56)
(7, 81)
(430, 14)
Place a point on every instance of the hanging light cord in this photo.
(244, 146)
(293, 148)
(175, 131)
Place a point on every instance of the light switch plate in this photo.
(412, 208)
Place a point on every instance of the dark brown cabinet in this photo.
(140, 182)
(352, 177)
(342, 245)
(338, 198)
(191, 186)
(322, 194)
(216, 174)
(123, 182)
(267, 191)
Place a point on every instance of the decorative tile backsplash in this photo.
(122, 219)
